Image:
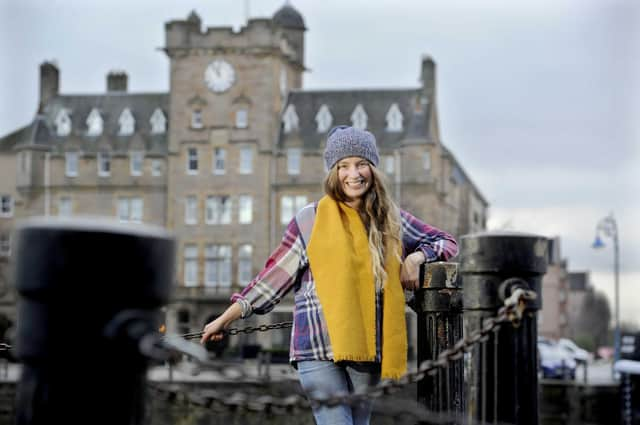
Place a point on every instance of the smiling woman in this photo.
(347, 258)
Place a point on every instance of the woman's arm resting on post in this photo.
(214, 330)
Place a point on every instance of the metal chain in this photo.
(4, 346)
(511, 311)
(247, 330)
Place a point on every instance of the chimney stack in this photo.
(116, 82)
(49, 82)
(428, 78)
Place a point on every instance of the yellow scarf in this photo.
(340, 262)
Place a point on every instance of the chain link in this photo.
(4, 346)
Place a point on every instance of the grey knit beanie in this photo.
(344, 141)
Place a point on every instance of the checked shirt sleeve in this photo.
(436, 244)
(278, 276)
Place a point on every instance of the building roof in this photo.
(42, 131)
(288, 17)
(376, 103)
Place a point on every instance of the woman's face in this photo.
(354, 174)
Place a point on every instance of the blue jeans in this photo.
(326, 378)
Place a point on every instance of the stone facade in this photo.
(553, 318)
(240, 151)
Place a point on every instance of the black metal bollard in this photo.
(88, 317)
(629, 368)
(502, 385)
(439, 309)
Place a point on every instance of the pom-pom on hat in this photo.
(344, 141)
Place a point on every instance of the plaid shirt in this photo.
(288, 268)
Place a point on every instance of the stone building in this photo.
(225, 158)
(553, 318)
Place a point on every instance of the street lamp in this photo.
(608, 227)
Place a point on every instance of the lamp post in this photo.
(608, 227)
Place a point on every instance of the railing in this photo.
(477, 335)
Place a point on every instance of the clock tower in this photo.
(226, 94)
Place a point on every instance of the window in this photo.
(156, 168)
(24, 158)
(293, 160)
(136, 160)
(94, 123)
(324, 119)
(104, 164)
(242, 118)
(191, 210)
(389, 164)
(218, 265)
(245, 209)
(426, 160)
(196, 119)
(136, 210)
(246, 160)
(158, 122)
(71, 164)
(289, 206)
(190, 265)
(218, 210)
(394, 119)
(5, 244)
(65, 207)
(130, 210)
(359, 117)
(219, 159)
(127, 123)
(63, 123)
(290, 119)
(245, 272)
(6, 206)
(192, 161)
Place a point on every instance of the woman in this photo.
(347, 257)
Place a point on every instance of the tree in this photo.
(593, 328)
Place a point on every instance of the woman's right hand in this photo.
(214, 330)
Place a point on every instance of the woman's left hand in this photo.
(409, 273)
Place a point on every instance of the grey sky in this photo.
(539, 100)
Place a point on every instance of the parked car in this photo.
(554, 362)
(579, 354)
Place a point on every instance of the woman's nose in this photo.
(353, 172)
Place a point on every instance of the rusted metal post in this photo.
(88, 317)
(502, 385)
(439, 309)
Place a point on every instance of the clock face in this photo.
(219, 76)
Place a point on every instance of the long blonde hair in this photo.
(380, 215)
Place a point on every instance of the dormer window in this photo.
(394, 119)
(127, 123)
(196, 119)
(94, 123)
(290, 119)
(63, 123)
(324, 119)
(359, 117)
(158, 122)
